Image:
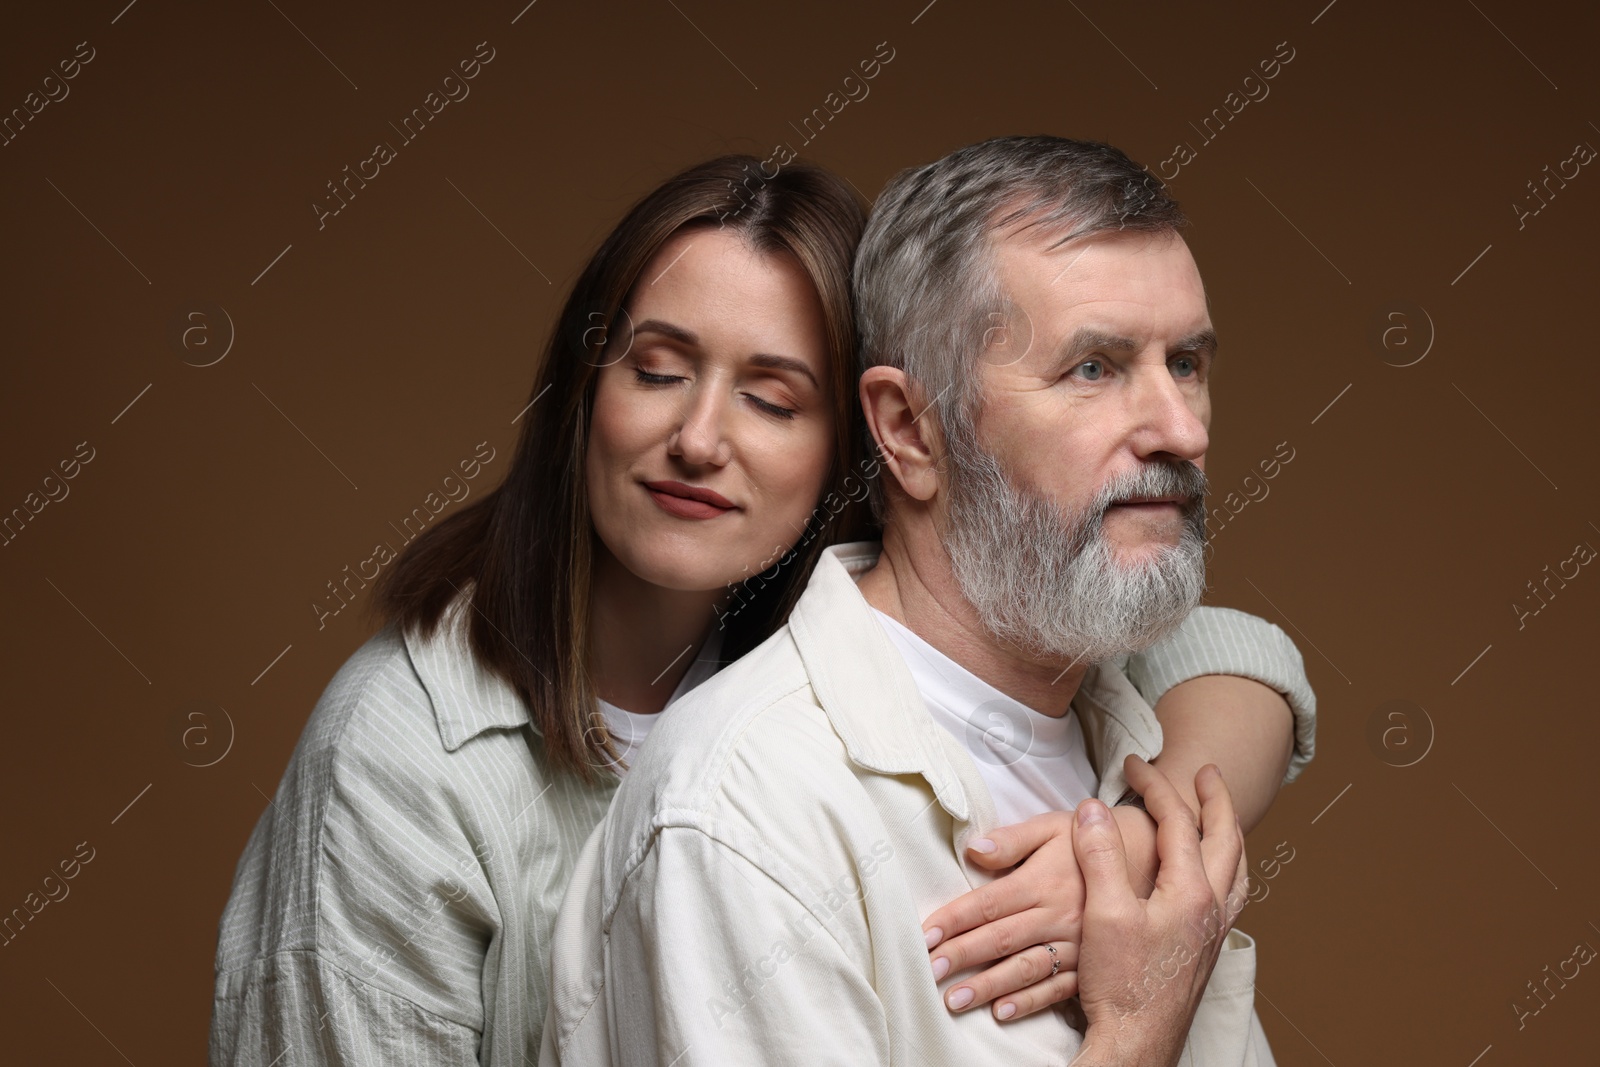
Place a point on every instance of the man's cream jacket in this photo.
(756, 892)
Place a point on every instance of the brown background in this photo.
(145, 609)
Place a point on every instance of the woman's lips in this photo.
(688, 501)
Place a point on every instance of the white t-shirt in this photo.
(629, 728)
(1031, 762)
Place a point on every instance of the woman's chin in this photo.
(701, 572)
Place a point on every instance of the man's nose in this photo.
(1168, 418)
(700, 438)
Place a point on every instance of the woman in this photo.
(395, 901)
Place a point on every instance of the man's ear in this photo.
(907, 440)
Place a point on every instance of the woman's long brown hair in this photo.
(525, 547)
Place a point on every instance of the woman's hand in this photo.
(1041, 902)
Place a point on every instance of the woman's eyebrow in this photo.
(788, 363)
(667, 329)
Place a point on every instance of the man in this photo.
(1038, 349)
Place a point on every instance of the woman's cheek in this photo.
(809, 487)
(821, 460)
(621, 416)
(605, 441)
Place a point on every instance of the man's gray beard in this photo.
(1048, 582)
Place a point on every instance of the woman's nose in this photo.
(700, 439)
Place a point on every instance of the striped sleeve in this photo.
(1225, 641)
(298, 1008)
(395, 901)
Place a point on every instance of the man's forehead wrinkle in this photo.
(1088, 245)
(1089, 242)
(1020, 245)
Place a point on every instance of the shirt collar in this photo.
(1007, 723)
(467, 698)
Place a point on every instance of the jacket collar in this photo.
(861, 681)
(467, 699)
(873, 703)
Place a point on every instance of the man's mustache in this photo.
(1159, 478)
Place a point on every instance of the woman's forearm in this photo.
(1244, 727)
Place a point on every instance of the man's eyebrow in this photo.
(760, 359)
(1086, 339)
(1199, 341)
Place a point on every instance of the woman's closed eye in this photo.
(652, 378)
(761, 404)
(775, 410)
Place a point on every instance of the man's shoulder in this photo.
(736, 757)
(742, 712)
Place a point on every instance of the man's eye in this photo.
(1092, 370)
(1186, 366)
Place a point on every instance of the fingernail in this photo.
(982, 844)
(933, 936)
(1006, 1011)
(1092, 811)
(960, 998)
(941, 967)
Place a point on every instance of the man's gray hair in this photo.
(928, 296)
